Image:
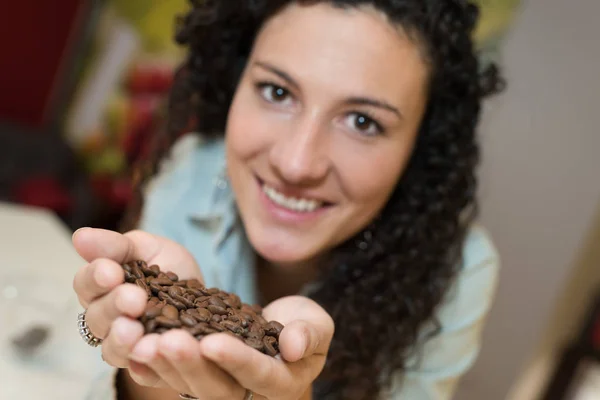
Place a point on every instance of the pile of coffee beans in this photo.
(175, 303)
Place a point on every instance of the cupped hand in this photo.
(112, 306)
(222, 367)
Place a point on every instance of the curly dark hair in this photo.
(381, 295)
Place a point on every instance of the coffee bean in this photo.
(163, 281)
(127, 267)
(175, 291)
(203, 314)
(217, 310)
(270, 343)
(259, 318)
(136, 271)
(232, 326)
(141, 283)
(153, 311)
(256, 331)
(273, 328)
(172, 276)
(216, 318)
(179, 305)
(155, 288)
(255, 343)
(170, 312)
(167, 322)
(188, 320)
(154, 270)
(212, 291)
(186, 302)
(215, 301)
(194, 284)
(216, 326)
(150, 326)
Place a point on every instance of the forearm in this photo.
(129, 390)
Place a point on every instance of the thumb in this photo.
(93, 243)
(300, 339)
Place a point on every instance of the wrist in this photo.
(128, 389)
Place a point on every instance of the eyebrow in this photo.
(364, 101)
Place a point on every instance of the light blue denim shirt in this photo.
(190, 202)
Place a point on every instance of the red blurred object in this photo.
(38, 41)
(596, 334)
(150, 79)
(45, 192)
(115, 192)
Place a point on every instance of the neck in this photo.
(278, 280)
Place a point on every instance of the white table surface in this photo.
(35, 247)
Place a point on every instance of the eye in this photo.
(363, 124)
(273, 93)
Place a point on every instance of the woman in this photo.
(342, 195)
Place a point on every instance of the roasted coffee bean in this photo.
(216, 326)
(150, 326)
(194, 292)
(202, 314)
(216, 318)
(256, 331)
(270, 345)
(167, 322)
(141, 283)
(170, 312)
(179, 305)
(155, 289)
(198, 329)
(153, 300)
(215, 301)
(153, 311)
(129, 278)
(232, 326)
(212, 291)
(179, 283)
(154, 270)
(172, 276)
(175, 291)
(186, 302)
(194, 284)
(161, 329)
(231, 301)
(217, 310)
(255, 343)
(273, 328)
(127, 267)
(259, 318)
(136, 271)
(187, 320)
(163, 281)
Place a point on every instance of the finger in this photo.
(143, 352)
(93, 243)
(300, 339)
(203, 377)
(315, 330)
(96, 279)
(125, 300)
(253, 370)
(147, 352)
(124, 334)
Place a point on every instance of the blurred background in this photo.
(82, 88)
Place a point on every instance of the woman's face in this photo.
(321, 127)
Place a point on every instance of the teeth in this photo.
(301, 205)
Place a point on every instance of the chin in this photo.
(278, 251)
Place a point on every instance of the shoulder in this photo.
(471, 295)
(184, 181)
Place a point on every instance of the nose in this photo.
(300, 155)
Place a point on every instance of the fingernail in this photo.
(142, 354)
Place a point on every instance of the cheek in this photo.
(364, 182)
(246, 132)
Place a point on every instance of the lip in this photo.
(285, 215)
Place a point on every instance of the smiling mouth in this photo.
(301, 205)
